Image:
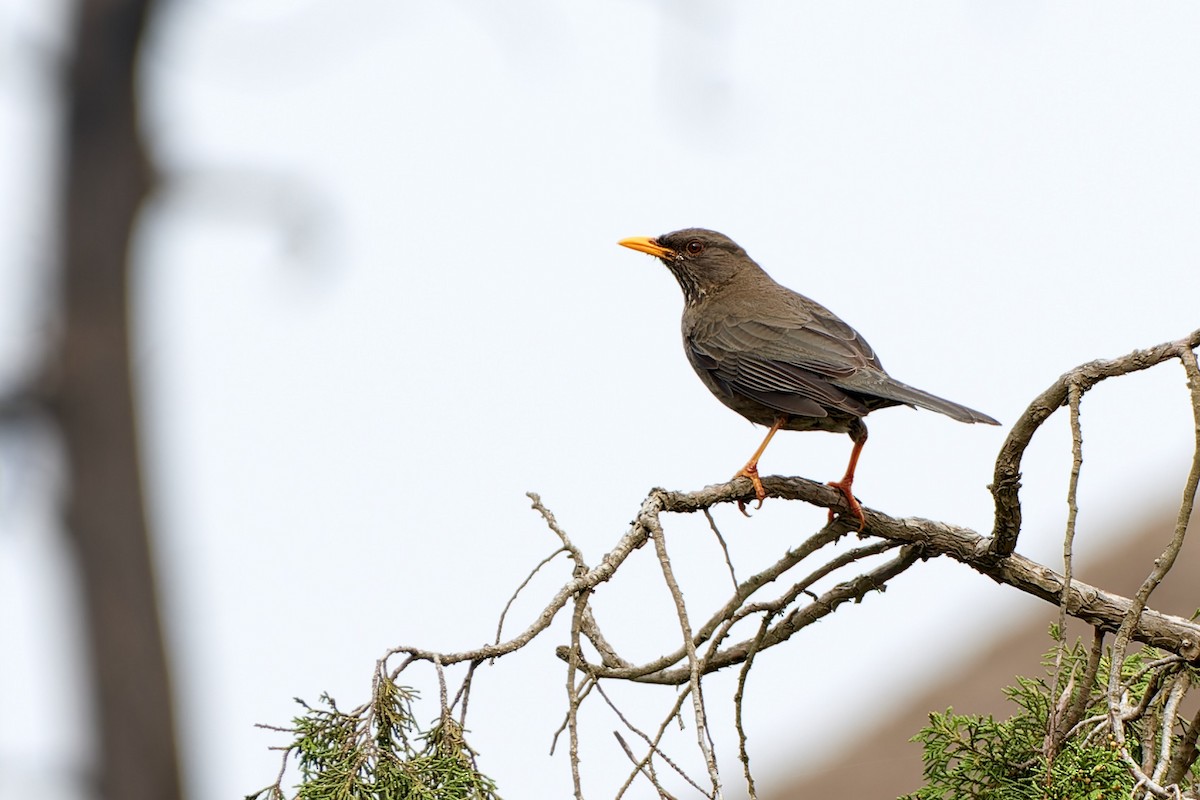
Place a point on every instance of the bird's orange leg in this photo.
(751, 469)
(859, 434)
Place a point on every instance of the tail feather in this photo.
(880, 384)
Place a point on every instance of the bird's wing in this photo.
(795, 356)
(806, 367)
(788, 364)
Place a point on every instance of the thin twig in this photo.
(1074, 395)
(1151, 711)
(1156, 664)
(1186, 753)
(587, 684)
(1055, 720)
(703, 737)
(723, 614)
(653, 745)
(803, 586)
(643, 768)
(743, 753)
(634, 538)
(464, 692)
(552, 523)
(1170, 715)
(524, 583)
(1083, 697)
(573, 692)
(853, 590)
(712, 524)
(442, 694)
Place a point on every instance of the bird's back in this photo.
(766, 350)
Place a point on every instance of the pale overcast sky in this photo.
(379, 298)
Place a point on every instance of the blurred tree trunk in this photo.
(106, 179)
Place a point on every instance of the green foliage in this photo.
(973, 756)
(378, 752)
(978, 756)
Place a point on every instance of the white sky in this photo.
(379, 298)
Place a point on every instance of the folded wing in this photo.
(809, 363)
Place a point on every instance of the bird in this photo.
(776, 357)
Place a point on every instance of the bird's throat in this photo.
(692, 293)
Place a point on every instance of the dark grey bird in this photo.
(776, 357)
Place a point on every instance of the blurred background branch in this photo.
(90, 395)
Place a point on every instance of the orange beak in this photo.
(647, 245)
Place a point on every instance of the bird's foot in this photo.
(751, 471)
(856, 511)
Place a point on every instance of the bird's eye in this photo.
(695, 247)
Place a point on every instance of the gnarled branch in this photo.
(1007, 481)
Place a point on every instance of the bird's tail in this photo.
(888, 388)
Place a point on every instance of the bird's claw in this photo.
(760, 492)
(742, 507)
(855, 509)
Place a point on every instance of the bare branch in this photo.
(643, 768)
(464, 693)
(803, 586)
(1072, 721)
(1185, 756)
(795, 604)
(608, 655)
(648, 763)
(1056, 722)
(575, 553)
(727, 612)
(1179, 686)
(654, 747)
(853, 590)
(512, 599)
(702, 735)
(1162, 565)
(634, 538)
(1101, 609)
(712, 524)
(1007, 481)
(573, 698)
(743, 753)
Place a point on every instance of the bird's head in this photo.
(701, 260)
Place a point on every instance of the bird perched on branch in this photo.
(776, 357)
